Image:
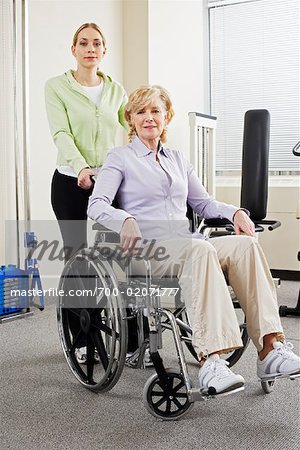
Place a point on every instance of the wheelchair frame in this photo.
(102, 321)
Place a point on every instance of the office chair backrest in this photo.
(255, 165)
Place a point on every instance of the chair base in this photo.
(286, 311)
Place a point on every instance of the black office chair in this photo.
(255, 167)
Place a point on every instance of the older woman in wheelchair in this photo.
(152, 186)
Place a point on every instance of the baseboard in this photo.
(289, 275)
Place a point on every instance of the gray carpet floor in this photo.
(44, 407)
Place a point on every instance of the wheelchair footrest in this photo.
(196, 395)
(293, 376)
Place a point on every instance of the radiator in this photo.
(203, 148)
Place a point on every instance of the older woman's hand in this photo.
(130, 237)
(84, 178)
(243, 223)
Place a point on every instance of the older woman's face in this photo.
(149, 121)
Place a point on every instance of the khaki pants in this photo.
(199, 266)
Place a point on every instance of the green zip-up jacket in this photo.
(83, 131)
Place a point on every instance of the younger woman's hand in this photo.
(84, 178)
(130, 237)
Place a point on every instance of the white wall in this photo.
(135, 43)
(282, 244)
(176, 60)
(51, 28)
(163, 44)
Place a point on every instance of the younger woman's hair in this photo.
(89, 25)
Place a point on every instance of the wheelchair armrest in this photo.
(105, 234)
(99, 227)
(218, 223)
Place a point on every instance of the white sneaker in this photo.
(81, 355)
(147, 359)
(215, 377)
(279, 362)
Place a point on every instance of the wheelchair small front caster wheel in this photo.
(268, 386)
(169, 402)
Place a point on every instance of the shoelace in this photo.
(286, 350)
(220, 368)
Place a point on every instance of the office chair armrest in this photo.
(229, 227)
(273, 224)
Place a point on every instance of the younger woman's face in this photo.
(89, 48)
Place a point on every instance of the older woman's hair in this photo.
(140, 98)
(89, 25)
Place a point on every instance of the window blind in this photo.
(254, 64)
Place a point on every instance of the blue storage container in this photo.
(13, 289)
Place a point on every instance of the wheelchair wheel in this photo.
(235, 355)
(232, 357)
(166, 403)
(90, 314)
(183, 316)
(268, 386)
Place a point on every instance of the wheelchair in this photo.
(113, 297)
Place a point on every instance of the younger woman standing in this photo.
(84, 107)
